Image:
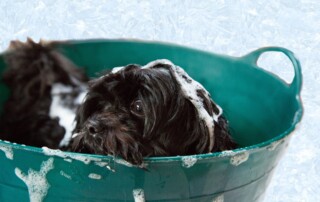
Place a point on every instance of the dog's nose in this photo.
(92, 129)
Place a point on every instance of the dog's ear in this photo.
(211, 108)
(221, 137)
(182, 132)
(198, 132)
(200, 140)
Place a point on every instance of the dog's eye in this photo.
(136, 107)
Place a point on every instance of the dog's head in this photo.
(154, 110)
(35, 67)
(33, 71)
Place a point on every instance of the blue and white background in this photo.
(231, 27)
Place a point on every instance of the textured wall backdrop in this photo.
(222, 26)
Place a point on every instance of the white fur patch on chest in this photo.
(64, 106)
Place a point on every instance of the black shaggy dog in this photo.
(132, 112)
(39, 77)
(155, 110)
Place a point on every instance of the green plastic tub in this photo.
(262, 109)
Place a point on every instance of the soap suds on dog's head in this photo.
(161, 102)
(190, 89)
(65, 108)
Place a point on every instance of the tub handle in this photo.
(296, 84)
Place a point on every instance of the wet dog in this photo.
(45, 91)
(132, 112)
(154, 110)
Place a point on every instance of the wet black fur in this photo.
(32, 69)
(106, 123)
(168, 126)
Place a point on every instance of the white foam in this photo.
(65, 175)
(54, 152)
(36, 181)
(188, 161)
(79, 157)
(128, 164)
(138, 195)
(189, 88)
(123, 162)
(227, 153)
(102, 164)
(218, 199)
(239, 158)
(275, 144)
(68, 160)
(155, 62)
(116, 69)
(95, 176)
(8, 151)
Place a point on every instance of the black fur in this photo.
(134, 113)
(167, 125)
(32, 70)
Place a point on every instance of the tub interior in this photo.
(257, 104)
